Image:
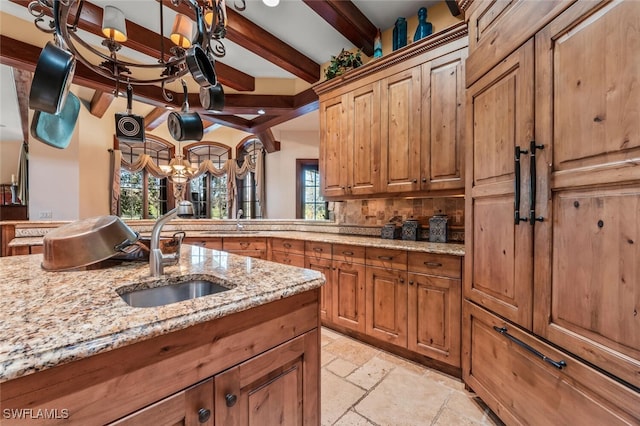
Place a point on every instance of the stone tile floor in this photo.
(365, 386)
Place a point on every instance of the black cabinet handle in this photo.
(557, 364)
(347, 253)
(424, 179)
(230, 399)
(433, 264)
(415, 181)
(411, 282)
(401, 280)
(516, 203)
(385, 257)
(203, 415)
(317, 249)
(287, 245)
(532, 184)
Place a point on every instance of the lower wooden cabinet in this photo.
(213, 243)
(251, 247)
(526, 381)
(323, 265)
(386, 295)
(270, 389)
(192, 406)
(348, 298)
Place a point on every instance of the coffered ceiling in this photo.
(273, 54)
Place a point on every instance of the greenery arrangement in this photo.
(342, 63)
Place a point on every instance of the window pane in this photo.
(131, 194)
(313, 205)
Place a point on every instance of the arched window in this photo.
(248, 187)
(143, 196)
(208, 193)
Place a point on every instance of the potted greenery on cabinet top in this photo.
(342, 63)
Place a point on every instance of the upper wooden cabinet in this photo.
(396, 124)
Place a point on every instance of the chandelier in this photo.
(179, 171)
(195, 45)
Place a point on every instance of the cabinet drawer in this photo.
(288, 258)
(435, 264)
(317, 250)
(522, 388)
(287, 245)
(385, 258)
(244, 244)
(210, 243)
(348, 254)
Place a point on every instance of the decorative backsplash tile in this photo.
(377, 212)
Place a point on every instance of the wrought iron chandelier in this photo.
(188, 54)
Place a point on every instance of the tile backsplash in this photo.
(377, 212)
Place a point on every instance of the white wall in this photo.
(280, 170)
(9, 155)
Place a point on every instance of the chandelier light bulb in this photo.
(271, 3)
(114, 24)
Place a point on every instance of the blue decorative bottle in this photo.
(377, 45)
(424, 28)
(400, 33)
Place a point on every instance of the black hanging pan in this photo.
(200, 67)
(129, 127)
(185, 125)
(53, 74)
(212, 97)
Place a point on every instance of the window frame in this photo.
(303, 164)
(256, 145)
(207, 177)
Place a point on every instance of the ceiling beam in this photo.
(245, 33)
(345, 17)
(100, 102)
(303, 103)
(22, 81)
(156, 117)
(231, 121)
(148, 42)
(269, 142)
(24, 56)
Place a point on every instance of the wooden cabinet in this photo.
(386, 295)
(192, 406)
(508, 372)
(267, 359)
(396, 125)
(213, 243)
(348, 286)
(287, 251)
(401, 113)
(252, 247)
(272, 388)
(318, 258)
(498, 238)
(552, 214)
(434, 306)
(587, 265)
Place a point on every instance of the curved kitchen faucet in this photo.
(157, 259)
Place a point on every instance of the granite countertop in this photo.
(52, 318)
(357, 240)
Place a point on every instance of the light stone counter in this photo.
(52, 318)
(334, 238)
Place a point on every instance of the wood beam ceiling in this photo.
(22, 81)
(100, 103)
(245, 33)
(148, 42)
(345, 17)
(156, 117)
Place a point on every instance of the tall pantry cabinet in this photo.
(551, 316)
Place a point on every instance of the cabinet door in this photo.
(210, 243)
(193, 406)
(442, 132)
(400, 131)
(434, 317)
(500, 119)
(363, 145)
(333, 150)
(324, 266)
(278, 387)
(348, 295)
(386, 295)
(587, 267)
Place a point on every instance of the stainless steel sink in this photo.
(170, 293)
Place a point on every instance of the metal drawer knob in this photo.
(230, 399)
(203, 415)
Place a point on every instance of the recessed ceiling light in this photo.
(271, 3)
(261, 111)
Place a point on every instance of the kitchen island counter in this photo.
(48, 319)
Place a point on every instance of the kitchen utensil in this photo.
(129, 127)
(212, 97)
(85, 242)
(185, 125)
(56, 129)
(53, 74)
(200, 67)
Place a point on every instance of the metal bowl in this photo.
(85, 242)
